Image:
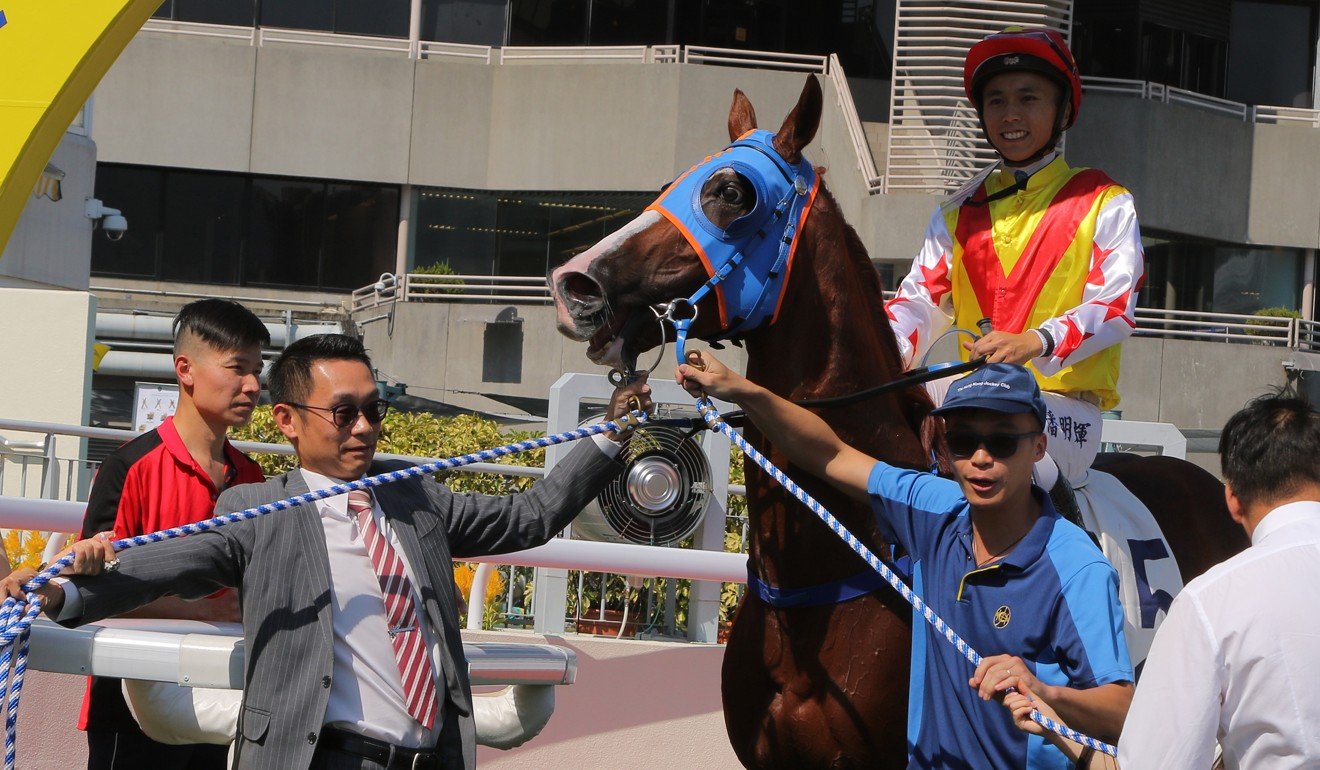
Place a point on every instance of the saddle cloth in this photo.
(1148, 576)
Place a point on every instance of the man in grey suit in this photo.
(334, 649)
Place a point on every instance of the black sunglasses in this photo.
(345, 415)
(1001, 446)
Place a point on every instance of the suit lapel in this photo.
(307, 519)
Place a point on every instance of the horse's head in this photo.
(728, 224)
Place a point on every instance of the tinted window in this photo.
(139, 193)
(361, 234)
(237, 12)
(299, 14)
(548, 22)
(284, 245)
(475, 22)
(203, 227)
(380, 18)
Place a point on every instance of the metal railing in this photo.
(871, 176)
(1159, 92)
(424, 287)
(1151, 322)
(1188, 324)
(23, 508)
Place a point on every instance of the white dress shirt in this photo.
(366, 694)
(1238, 660)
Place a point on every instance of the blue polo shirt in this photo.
(1052, 601)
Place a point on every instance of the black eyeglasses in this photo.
(1001, 446)
(346, 415)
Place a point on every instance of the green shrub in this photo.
(1265, 327)
(440, 268)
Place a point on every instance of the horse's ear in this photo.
(742, 118)
(800, 126)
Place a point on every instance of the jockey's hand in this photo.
(1000, 673)
(636, 395)
(1021, 703)
(703, 374)
(1005, 348)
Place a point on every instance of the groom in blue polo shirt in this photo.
(1026, 588)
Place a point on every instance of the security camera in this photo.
(114, 226)
(112, 220)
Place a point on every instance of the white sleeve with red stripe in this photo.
(923, 308)
(1107, 315)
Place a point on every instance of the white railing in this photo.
(1265, 330)
(1308, 335)
(935, 141)
(425, 287)
(542, 54)
(191, 28)
(698, 54)
(333, 40)
(871, 177)
(1159, 92)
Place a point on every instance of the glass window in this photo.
(527, 234)
(237, 12)
(203, 227)
(627, 22)
(456, 227)
(284, 237)
(1273, 50)
(379, 18)
(361, 234)
(548, 22)
(475, 22)
(139, 193)
(299, 14)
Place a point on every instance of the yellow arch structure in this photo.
(52, 55)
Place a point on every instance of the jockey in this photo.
(1050, 254)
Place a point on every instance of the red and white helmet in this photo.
(1015, 50)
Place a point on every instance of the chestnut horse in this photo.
(812, 686)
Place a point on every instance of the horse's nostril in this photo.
(582, 289)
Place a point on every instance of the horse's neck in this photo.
(832, 339)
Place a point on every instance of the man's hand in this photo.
(90, 556)
(1000, 673)
(13, 584)
(703, 374)
(1021, 704)
(52, 595)
(1002, 347)
(636, 395)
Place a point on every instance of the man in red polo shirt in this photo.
(169, 477)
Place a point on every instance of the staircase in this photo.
(935, 142)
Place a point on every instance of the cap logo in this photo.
(1012, 61)
(986, 384)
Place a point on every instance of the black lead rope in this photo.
(907, 380)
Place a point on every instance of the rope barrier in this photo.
(717, 423)
(16, 616)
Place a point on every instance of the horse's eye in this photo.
(731, 194)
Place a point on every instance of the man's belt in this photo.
(385, 754)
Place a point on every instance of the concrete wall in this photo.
(48, 333)
(52, 244)
(1193, 384)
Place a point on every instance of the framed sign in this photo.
(152, 403)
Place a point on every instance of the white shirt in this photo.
(366, 694)
(1238, 660)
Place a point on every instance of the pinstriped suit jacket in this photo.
(280, 565)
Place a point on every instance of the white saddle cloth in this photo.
(1148, 576)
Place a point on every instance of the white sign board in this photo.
(152, 403)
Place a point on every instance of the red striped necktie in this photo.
(410, 652)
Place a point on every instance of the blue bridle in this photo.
(749, 261)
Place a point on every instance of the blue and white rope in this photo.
(16, 616)
(713, 419)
